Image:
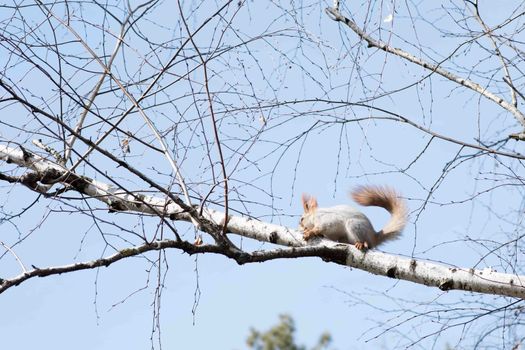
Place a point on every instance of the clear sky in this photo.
(113, 308)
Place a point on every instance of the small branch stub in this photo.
(520, 136)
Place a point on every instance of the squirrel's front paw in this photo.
(311, 233)
(307, 234)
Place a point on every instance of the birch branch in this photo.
(422, 272)
(336, 15)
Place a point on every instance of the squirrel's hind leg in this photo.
(361, 245)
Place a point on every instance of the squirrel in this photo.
(345, 224)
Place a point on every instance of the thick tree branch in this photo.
(422, 272)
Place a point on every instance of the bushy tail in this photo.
(387, 198)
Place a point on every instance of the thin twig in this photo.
(96, 89)
(213, 120)
(489, 34)
(15, 256)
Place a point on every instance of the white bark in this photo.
(418, 271)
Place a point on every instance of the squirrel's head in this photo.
(309, 206)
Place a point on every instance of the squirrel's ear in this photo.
(305, 199)
(309, 203)
(312, 204)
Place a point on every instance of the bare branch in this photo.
(488, 32)
(422, 272)
(213, 118)
(96, 89)
(160, 139)
(14, 255)
(337, 16)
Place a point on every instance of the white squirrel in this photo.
(345, 224)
